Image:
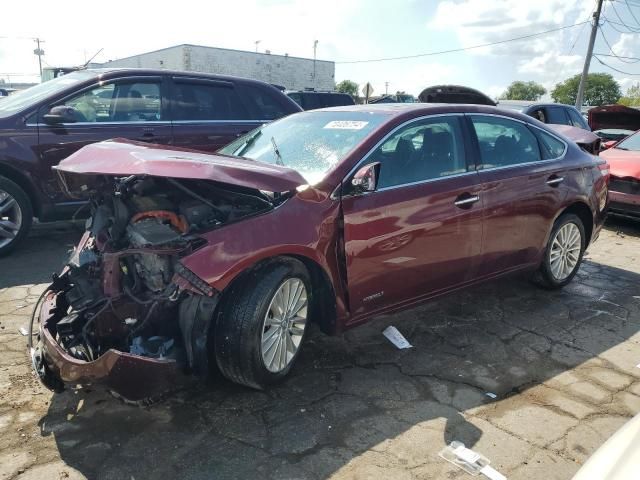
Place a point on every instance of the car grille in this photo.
(625, 185)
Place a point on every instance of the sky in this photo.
(346, 30)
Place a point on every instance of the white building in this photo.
(293, 73)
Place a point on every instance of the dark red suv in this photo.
(44, 124)
(196, 261)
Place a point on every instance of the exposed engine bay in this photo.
(124, 287)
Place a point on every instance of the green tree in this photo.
(632, 98)
(601, 89)
(520, 90)
(348, 86)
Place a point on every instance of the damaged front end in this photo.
(125, 313)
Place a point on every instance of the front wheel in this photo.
(563, 253)
(263, 324)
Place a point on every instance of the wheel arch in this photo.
(324, 309)
(24, 183)
(584, 213)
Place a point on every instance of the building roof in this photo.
(261, 54)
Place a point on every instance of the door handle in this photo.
(554, 181)
(466, 199)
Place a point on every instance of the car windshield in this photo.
(630, 143)
(20, 100)
(310, 142)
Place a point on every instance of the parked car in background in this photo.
(624, 187)
(329, 217)
(312, 100)
(556, 113)
(397, 98)
(44, 124)
(613, 134)
(614, 116)
(454, 94)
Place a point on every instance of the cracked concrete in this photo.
(562, 364)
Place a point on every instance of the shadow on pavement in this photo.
(350, 395)
(43, 253)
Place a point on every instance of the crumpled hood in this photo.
(623, 163)
(121, 157)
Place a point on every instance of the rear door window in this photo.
(550, 146)
(504, 142)
(262, 103)
(557, 115)
(202, 101)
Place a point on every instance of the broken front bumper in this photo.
(131, 377)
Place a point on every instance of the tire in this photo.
(554, 275)
(249, 319)
(15, 209)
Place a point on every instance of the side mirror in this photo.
(608, 144)
(366, 178)
(61, 114)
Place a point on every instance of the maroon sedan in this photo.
(195, 261)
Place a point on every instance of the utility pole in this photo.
(39, 52)
(257, 42)
(587, 60)
(315, 48)
(386, 88)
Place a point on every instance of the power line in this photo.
(454, 50)
(613, 23)
(616, 56)
(622, 59)
(615, 10)
(631, 11)
(615, 69)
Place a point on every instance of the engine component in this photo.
(69, 325)
(84, 291)
(154, 347)
(198, 214)
(151, 232)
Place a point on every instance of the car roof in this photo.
(181, 73)
(528, 103)
(407, 109)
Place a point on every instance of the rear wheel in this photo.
(16, 215)
(563, 254)
(263, 324)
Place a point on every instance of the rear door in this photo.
(419, 233)
(207, 114)
(524, 183)
(131, 107)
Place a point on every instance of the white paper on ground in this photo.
(23, 331)
(491, 395)
(469, 456)
(395, 337)
(492, 473)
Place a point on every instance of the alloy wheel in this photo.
(284, 324)
(10, 218)
(565, 251)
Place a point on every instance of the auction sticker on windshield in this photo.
(346, 124)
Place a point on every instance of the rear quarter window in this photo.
(550, 146)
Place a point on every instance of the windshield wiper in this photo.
(247, 143)
(277, 152)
